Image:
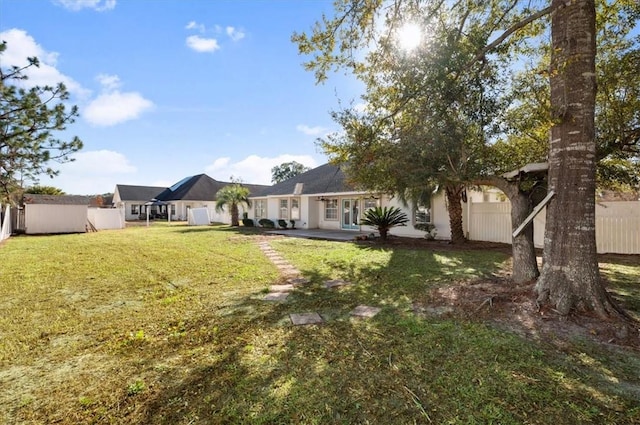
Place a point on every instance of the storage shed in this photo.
(55, 213)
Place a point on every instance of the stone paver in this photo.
(297, 281)
(276, 296)
(365, 311)
(305, 318)
(281, 288)
(336, 283)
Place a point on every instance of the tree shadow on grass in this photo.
(251, 365)
(258, 368)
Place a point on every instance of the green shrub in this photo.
(429, 229)
(384, 219)
(265, 222)
(282, 223)
(247, 222)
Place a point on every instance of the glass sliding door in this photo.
(350, 214)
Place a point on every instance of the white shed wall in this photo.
(43, 218)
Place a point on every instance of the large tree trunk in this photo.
(453, 193)
(570, 279)
(523, 251)
(525, 263)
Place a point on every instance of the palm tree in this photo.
(232, 196)
(384, 219)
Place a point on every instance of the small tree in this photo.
(286, 170)
(232, 196)
(384, 219)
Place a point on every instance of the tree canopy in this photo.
(286, 170)
(233, 196)
(437, 115)
(44, 190)
(30, 117)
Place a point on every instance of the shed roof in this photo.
(32, 198)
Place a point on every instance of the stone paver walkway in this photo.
(365, 311)
(294, 278)
(305, 318)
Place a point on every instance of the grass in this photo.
(167, 325)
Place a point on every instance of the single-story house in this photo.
(132, 199)
(323, 199)
(197, 191)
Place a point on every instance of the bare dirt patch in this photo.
(498, 301)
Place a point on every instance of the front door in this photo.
(350, 216)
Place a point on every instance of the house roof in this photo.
(137, 193)
(201, 188)
(326, 178)
(31, 198)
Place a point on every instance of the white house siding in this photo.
(47, 218)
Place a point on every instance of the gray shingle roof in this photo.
(201, 188)
(326, 178)
(138, 193)
(31, 198)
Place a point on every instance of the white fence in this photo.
(5, 223)
(106, 218)
(617, 225)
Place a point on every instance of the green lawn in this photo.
(167, 325)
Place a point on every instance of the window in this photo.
(135, 209)
(284, 209)
(421, 214)
(173, 209)
(259, 211)
(295, 209)
(370, 203)
(331, 209)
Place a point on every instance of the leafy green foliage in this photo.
(233, 196)
(29, 118)
(287, 170)
(44, 190)
(384, 219)
(282, 223)
(265, 222)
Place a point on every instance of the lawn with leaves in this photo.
(167, 325)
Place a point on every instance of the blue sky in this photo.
(173, 88)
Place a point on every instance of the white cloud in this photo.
(193, 25)
(21, 45)
(253, 169)
(234, 33)
(310, 131)
(109, 82)
(97, 5)
(201, 44)
(92, 172)
(115, 108)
